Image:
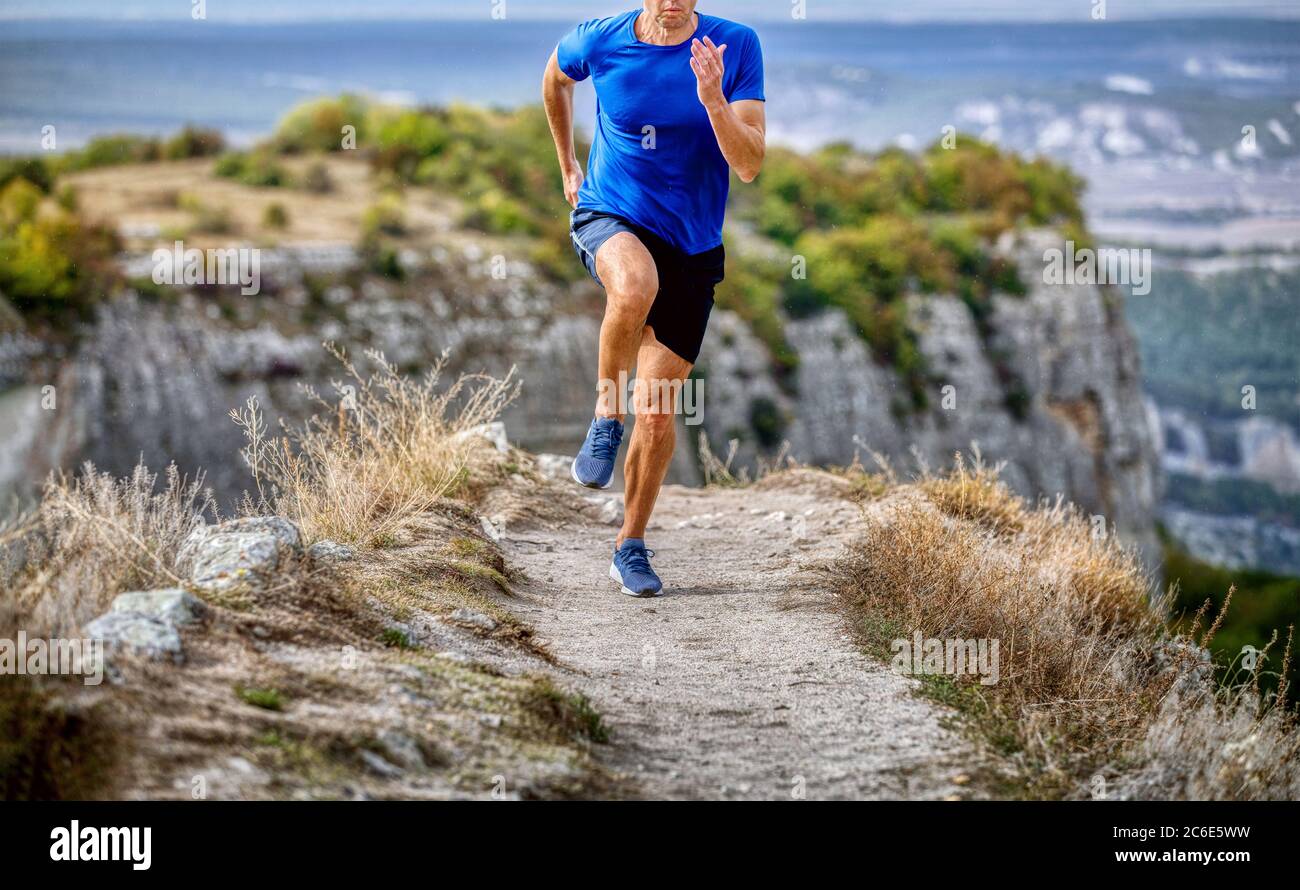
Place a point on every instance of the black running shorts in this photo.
(680, 312)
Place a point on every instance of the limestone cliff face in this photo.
(1063, 353)
(158, 380)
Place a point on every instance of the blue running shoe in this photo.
(631, 569)
(594, 465)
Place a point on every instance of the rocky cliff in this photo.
(1052, 389)
(1049, 385)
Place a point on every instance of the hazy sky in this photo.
(573, 10)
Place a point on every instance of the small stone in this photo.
(554, 466)
(331, 551)
(134, 632)
(170, 606)
(402, 749)
(612, 512)
(379, 766)
(489, 528)
(494, 433)
(492, 720)
(474, 619)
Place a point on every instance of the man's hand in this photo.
(706, 62)
(572, 175)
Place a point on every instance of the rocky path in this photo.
(741, 682)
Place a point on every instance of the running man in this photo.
(679, 105)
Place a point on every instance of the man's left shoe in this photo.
(631, 569)
(594, 465)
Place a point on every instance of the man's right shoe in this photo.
(594, 465)
(631, 569)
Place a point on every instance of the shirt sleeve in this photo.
(749, 70)
(575, 50)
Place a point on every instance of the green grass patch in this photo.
(266, 699)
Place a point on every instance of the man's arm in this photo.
(740, 127)
(557, 96)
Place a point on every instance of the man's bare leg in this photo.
(660, 373)
(631, 281)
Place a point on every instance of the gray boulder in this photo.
(240, 555)
(137, 633)
(331, 551)
(170, 606)
(235, 561)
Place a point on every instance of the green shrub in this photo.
(193, 142)
(381, 258)
(68, 198)
(34, 170)
(214, 220)
(318, 125)
(18, 203)
(257, 168)
(384, 217)
(275, 216)
(53, 267)
(112, 151)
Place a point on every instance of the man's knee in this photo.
(629, 273)
(658, 425)
(632, 291)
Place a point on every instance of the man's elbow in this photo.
(749, 172)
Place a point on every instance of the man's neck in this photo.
(650, 31)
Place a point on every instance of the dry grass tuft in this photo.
(386, 449)
(974, 493)
(718, 470)
(94, 536)
(1092, 683)
(90, 538)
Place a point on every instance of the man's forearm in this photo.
(742, 145)
(558, 102)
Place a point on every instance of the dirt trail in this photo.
(741, 682)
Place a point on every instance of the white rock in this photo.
(137, 633)
(170, 606)
(330, 551)
(554, 466)
(235, 561)
(474, 619)
(494, 432)
(379, 766)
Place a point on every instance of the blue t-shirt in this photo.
(671, 179)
